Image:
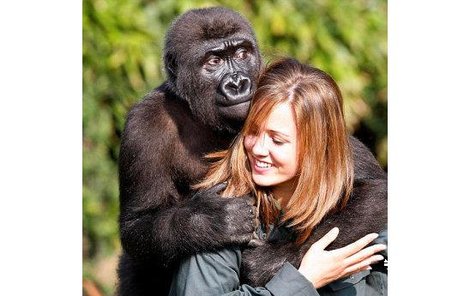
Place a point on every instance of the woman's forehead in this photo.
(281, 120)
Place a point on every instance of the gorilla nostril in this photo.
(244, 85)
(231, 87)
(235, 87)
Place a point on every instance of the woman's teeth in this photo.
(262, 164)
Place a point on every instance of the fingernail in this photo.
(379, 258)
(369, 268)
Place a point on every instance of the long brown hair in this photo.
(325, 174)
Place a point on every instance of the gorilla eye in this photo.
(214, 61)
(241, 54)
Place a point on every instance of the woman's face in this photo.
(273, 153)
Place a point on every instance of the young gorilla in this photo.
(212, 62)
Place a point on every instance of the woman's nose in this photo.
(260, 146)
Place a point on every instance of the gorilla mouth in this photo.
(236, 112)
(229, 103)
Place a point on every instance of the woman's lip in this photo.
(258, 169)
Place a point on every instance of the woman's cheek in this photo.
(248, 142)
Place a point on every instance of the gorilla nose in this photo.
(236, 88)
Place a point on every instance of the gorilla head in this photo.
(212, 62)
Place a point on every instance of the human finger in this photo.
(361, 265)
(349, 273)
(356, 246)
(327, 239)
(364, 253)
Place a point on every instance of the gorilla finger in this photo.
(242, 239)
(255, 242)
(249, 213)
(235, 204)
(249, 199)
(249, 226)
(210, 192)
(217, 188)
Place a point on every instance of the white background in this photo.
(41, 160)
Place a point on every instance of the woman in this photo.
(293, 156)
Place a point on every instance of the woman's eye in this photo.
(278, 142)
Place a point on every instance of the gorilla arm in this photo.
(158, 218)
(365, 212)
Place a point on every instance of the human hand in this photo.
(322, 267)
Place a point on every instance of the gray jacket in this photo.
(218, 273)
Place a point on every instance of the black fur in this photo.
(365, 212)
(162, 149)
(199, 109)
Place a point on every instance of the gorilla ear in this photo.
(170, 65)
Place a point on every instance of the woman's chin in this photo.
(263, 181)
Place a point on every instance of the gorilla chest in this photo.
(190, 152)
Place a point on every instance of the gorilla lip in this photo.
(230, 103)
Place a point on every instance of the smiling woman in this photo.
(273, 152)
(296, 119)
(294, 155)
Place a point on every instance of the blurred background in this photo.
(122, 46)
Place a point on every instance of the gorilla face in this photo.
(230, 67)
(212, 60)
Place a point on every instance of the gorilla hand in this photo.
(234, 216)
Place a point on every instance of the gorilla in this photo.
(212, 63)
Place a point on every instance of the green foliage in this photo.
(122, 46)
